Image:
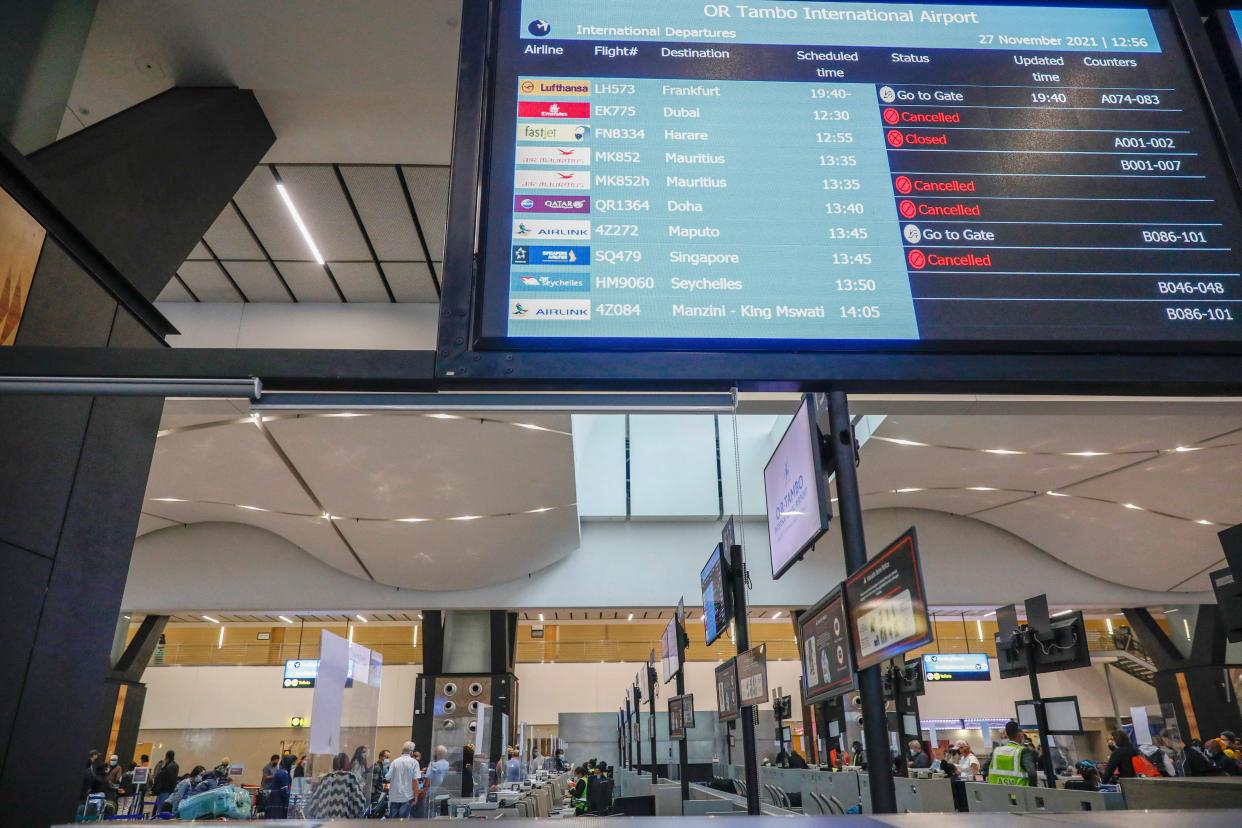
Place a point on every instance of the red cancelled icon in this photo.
(903, 184)
(891, 116)
(894, 138)
(917, 259)
(907, 209)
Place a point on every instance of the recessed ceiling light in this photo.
(328, 516)
(1202, 522)
(1062, 612)
(347, 414)
(776, 615)
(1087, 453)
(297, 219)
(540, 509)
(169, 499)
(412, 520)
(251, 508)
(209, 618)
(466, 517)
(541, 617)
(531, 426)
(1003, 451)
(1056, 494)
(901, 442)
(982, 489)
(443, 416)
(907, 491)
(1132, 506)
(631, 618)
(360, 618)
(286, 620)
(1181, 449)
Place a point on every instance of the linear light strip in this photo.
(899, 441)
(297, 219)
(330, 516)
(267, 418)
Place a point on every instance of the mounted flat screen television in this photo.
(685, 189)
(727, 704)
(669, 653)
(939, 667)
(717, 600)
(1065, 650)
(887, 603)
(796, 490)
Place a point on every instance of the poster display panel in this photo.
(887, 604)
(727, 705)
(752, 676)
(826, 649)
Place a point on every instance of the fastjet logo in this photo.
(539, 28)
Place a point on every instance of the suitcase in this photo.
(225, 801)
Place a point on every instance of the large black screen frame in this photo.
(464, 358)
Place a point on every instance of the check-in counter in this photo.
(924, 796)
(987, 798)
(1195, 792)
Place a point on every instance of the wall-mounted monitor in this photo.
(670, 661)
(682, 189)
(300, 672)
(826, 650)
(752, 676)
(680, 715)
(717, 599)
(727, 705)
(939, 667)
(796, 490)
(887, 603)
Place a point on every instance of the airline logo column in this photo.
(930, 200)
(551, 253)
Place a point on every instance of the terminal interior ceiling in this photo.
(457, 501)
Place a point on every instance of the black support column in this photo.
(140, 189)
(120, 709)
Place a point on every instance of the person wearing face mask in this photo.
(113, 779)
(379, 771)
(184, 786)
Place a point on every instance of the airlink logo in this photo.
(548, 309)
(554, 87)
(552, 230)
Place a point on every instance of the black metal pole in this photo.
(651, 680)
(683, 758)
(870, 683)
(737, 577)
(638, 733)
(629, 735)
(1041, 717)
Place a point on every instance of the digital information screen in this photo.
(726, 690)
(300, 673)
(821, 174)
(717, 606)
(669, 663)
(827, 665)
(680, 715)
(887, 604)
(795, 490)
(956, 667)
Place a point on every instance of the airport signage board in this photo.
(938, 667)
(752, 676)
(300, 672)
(759, 189)
(680, 715)
(887, 604)
(727, 705)
(827, 652)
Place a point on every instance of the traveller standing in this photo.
(919, 760)
(278, 789)
(467, 771)
(358, 765)
(967, 763)
(1014, 763)
(402, 776)
(165, 779)
(1121, 761)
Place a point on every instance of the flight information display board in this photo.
(662, 173)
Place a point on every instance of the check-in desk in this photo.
(1194, 792)
(986, 798)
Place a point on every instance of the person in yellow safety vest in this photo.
(579, 794)
(1013, 763)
